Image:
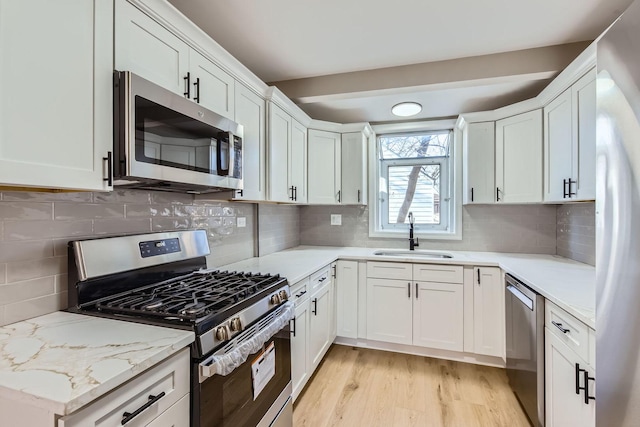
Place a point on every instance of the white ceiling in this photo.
(291, 39)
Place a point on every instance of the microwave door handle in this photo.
(221, 172)
(232, 154)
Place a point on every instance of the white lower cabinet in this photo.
(419, 304)
(170, 377)
(438, 313)
(569, 370)
(389, 310)
(564, 386)
(346, 285)
(488, 312)
(314, 327)
(299, 349)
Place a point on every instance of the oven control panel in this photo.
(159, 247)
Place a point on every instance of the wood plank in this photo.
(361, 387)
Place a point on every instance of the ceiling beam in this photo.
(522, 65)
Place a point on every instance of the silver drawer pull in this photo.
(559, 326)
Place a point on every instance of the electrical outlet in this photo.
(241, 222)
(336, 219)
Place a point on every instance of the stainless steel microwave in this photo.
(163, 141)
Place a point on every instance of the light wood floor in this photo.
(362, 387)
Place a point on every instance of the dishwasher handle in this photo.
(521, 296)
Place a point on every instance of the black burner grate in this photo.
(190, 297)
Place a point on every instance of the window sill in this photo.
(404, 234)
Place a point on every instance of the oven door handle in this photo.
(250, 341)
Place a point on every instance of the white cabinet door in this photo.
(278, 154)
(389, 310)
(488, 312)
(558, 147)
(438, 313)
(56, 84)
(319, 325)
(211, 86)
(298, 162)
(324, 167)
(519, 158)
(147, 49)
(250, 113)
(563, 407)
(479, 163)
(300, 371)
(347, 298)
(584, 166)
(354, 168)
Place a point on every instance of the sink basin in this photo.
(421, 254)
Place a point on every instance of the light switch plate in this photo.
(241, 222)
(336, 219)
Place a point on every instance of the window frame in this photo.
(454, 182)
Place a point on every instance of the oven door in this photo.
(232, 400)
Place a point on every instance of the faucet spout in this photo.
(412, 242)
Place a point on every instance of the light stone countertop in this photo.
(62, 361)
(567, 283)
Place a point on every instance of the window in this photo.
(415, 174)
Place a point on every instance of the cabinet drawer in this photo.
(389, 270)
(576, 336)
(437, 273)
(319, 278)
(170, 377)
(177, 415)
(300, 291)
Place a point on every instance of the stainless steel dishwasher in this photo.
(524, 313)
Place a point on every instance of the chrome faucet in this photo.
(412, 242)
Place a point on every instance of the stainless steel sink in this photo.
(421, 254)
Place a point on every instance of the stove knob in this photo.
(236, 324)
(283, 295)
(222, 333)
(275, 299)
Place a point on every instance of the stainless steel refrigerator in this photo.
(618, 223)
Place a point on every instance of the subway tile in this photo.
(121, 226)
(30, 308)
(3, 273)
(2, 317)
(61, 246)
(25, 250)
(66, 211)
(33, 230)
(163, 224)
(24, 270)
(172, 198)
(24, 196)
(123, 196)
(26, 210)
(148, 211)
(188, 210)
(61, 283)
(20, 291)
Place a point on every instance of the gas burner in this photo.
(193, 308)
(153, 304)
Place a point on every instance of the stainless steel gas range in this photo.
(240, 319)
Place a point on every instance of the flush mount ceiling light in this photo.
(406, 109)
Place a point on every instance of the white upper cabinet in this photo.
(558, 147)
(519, 158)
(56, 110)
(286, 157)
(250, 113)
(147, 49)
(479, 163)
(569, 143)
(324, 154)
(584, 130)
(354, 168)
